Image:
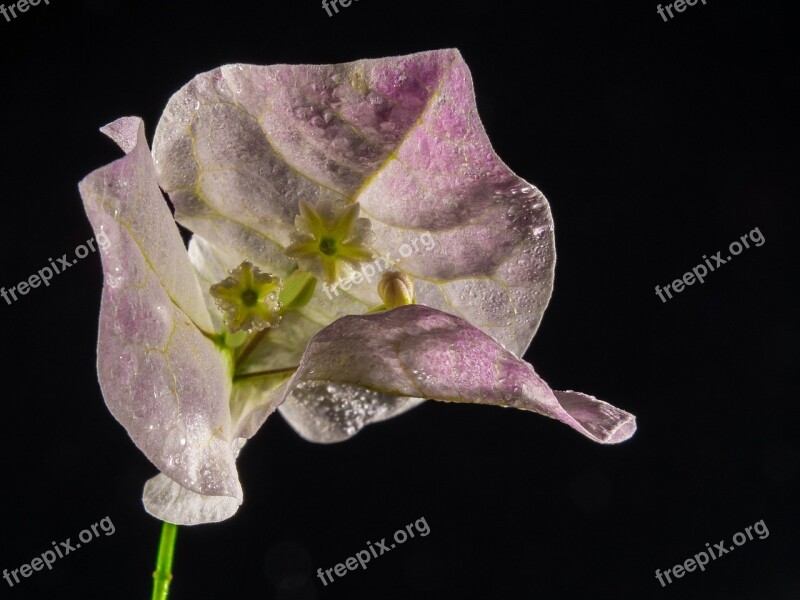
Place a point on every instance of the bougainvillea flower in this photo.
(358, 248)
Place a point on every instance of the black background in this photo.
(654, 142)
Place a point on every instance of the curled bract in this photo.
(417, 351)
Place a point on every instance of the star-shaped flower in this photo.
(330, 241)
(248, 298)
(287, 175)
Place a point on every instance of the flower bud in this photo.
(396, 289)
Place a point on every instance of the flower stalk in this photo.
(162, 576)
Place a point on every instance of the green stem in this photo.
(247, 350)
(269, 373)
(162, 576)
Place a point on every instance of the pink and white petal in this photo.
(239, 147)
(600, 419)
(420, 352)
(161, 377)
(328, 411)
(255, 399)
(173, 503)
(211, 265)
(478, 238)
(127, 192)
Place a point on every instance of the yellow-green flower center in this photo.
(327, 246)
